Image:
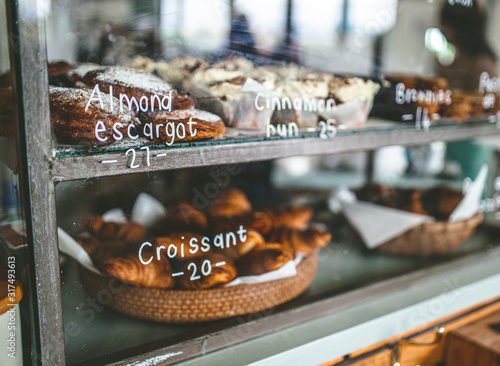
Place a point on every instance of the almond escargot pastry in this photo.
(78, 118)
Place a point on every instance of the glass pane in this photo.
(411, 85)
(93, 329)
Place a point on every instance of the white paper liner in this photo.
(338, 197)
(350, 114)
(469, 205)
(69, 246)
(115, 215)
(147, 207)
(303, 119)
(288, 270)
(238, 110)
(377, 224)
(147, 211)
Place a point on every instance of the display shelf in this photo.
(71, 163)
(348, 275)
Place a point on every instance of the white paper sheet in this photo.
(147, 211)
(338, 196)
(469, 205)
(377, 224)
(115, 215)
(69, 246)
(288, 270)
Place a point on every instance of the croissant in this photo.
(378, 194)
(448, 201)
(303, 241)
(99, 250)
(231, 202)
(264, 258)
(265, 221)
(183, 245)
(220, 271)
(90, 244)
(441, 201)
(411, 201)
(253, 239)
(227, 224)
(293, 217)
(260, 221)
(184, 216)
(129, 269)
(129, 232)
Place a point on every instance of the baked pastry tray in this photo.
(190, 306)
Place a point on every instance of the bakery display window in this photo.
(204, 181)
(181, 264)
(252, 78)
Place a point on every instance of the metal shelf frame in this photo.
(118, 163)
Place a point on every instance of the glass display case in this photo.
(248, 182)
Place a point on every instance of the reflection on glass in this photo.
(266, 20)
(465, 28)
(186, 49)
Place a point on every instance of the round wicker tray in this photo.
(185, 306)
(433, 238)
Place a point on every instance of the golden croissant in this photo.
(293, 217)
(411, 201)
(101, 250)
(184, 216)
(129, 232)
(260, 221)
(264, 258)
(131, 270)
(441, 201)
(267, 220)
(200, 275)
(253, 238)
(303, 241)
(231, 202)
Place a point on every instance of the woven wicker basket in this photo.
(185, 306)
(433, 238)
